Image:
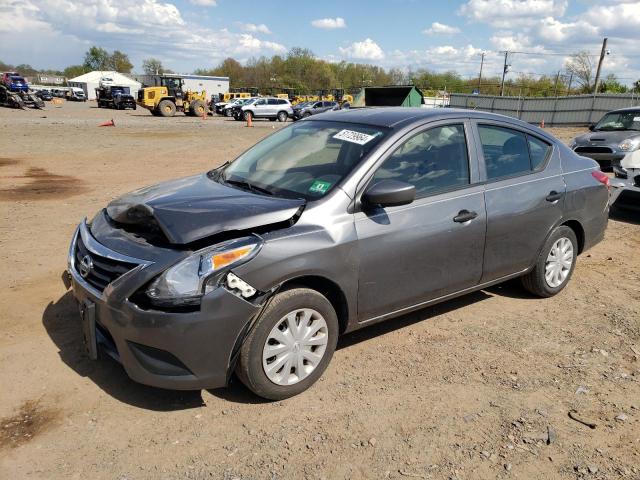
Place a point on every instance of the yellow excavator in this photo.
(168, 98)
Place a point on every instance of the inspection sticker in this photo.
(636, 119)
(353, 137)
(319, 186)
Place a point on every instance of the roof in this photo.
(627, 109)
(400, 117)
(96, 75)
(394, 117)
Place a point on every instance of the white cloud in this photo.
(61, 30)
(329, 23)
(508, 13)
(365, 50)
(204, 3)
(254, 28)
(438, 28)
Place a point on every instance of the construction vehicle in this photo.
(115, 96)
(230, 96)
(19, 99)
(168, 98)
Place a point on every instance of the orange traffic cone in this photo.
(249, 120)
(109, 123)
(542, 123)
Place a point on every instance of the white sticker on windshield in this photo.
(636, 119)
(353, 137)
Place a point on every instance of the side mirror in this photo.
(389, 193)
(592, 127)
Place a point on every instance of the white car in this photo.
(269, 107)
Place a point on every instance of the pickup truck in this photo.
(115, 96)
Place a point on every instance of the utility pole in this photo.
(555, 89)
(480, 75)
(505, 68)
(603, 52)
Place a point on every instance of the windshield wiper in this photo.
(244, 184)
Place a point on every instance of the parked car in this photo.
(15, 82)
(324, 227)
(76, 94)
(613, 142)
(236, 112)
(313, 108)
(268, 107)
(44, 95)
(230, 109)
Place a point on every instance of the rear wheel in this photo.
(290, 346)
(227, 113)
(555, 264)
(167, 108)
(282, 116)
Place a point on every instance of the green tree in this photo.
(120, 62)
(73, 71)
(97, 58)
(611, 85)
(153, 66)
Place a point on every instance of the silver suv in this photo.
(269, 107)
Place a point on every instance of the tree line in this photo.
(301, 72)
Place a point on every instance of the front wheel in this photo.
(290, 346)
(554, 265)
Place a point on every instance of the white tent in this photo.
(90, 81)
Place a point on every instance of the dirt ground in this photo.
(478, 387)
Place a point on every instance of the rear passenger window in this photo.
(539, 151)
(434, 160)
(272, 101)
(282, 102)
(510, 152)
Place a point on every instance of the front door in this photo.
(432, 247)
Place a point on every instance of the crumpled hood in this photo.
(606, 137)
(196, 207)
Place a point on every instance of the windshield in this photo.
(305, 160)
(302, 105)
(15, 78)
(620, 121)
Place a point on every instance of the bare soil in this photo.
(478, 387)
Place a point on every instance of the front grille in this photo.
(593, 150)
(104, 270)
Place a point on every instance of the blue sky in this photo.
(437, 35)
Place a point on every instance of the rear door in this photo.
(272, 107)
(524, 196)
(414, 253)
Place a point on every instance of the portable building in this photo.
(90, 81)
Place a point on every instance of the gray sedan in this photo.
(324, 227)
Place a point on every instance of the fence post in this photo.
(553, 114)
(493, 101)
(593, 105)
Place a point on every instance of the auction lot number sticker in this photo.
(353, 137)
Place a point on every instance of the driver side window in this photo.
(433, 161)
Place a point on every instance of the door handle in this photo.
(464, 216)
(554, 196)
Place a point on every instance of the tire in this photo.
(306, 115)
(246, 114)
(227, 113)
(251, 366)
(197, 108)
(282, 116)
(543, 283)
(167, 108)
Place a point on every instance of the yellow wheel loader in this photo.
(168, 98)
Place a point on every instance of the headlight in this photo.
(629, 145)
(572, 144)
(188, 280)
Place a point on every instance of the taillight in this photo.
(601, 177)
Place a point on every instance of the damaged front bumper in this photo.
(181, 350)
